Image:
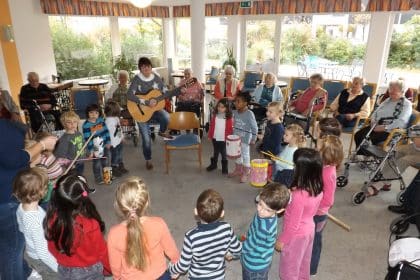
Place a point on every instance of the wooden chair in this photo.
(298, 83)
(190, 141)
(352, 130)
(370, 89)
(334, 88)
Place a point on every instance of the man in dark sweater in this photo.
(42, 94)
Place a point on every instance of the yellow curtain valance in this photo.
(95, 8)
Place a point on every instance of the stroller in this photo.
(404, 257)
(376, 161)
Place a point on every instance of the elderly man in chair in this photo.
(45, 101)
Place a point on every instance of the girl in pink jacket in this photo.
(331, 149)
(295, 241)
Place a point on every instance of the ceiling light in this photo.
(141, 3)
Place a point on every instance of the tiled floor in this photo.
(359, 254)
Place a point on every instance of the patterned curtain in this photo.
(393, 5)
(182, 11)
(284, 7)
(94, 8)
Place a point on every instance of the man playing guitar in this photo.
(142, 84)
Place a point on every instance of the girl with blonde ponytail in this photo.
(139, 245)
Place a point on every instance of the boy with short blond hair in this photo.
(71, 142)
(205, 246)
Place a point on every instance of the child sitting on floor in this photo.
(29, 187)
(205, 246)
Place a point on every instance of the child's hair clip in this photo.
(84, 194)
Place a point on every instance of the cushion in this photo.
(184, 140)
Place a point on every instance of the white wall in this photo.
(4, 82)
(33, 38)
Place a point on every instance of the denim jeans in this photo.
(162, 117)
(116, 155)
(320, 222)
(255, 275)
(12, 244)
(99, 164)
(93, 272)
(345, 122)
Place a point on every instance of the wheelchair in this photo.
(376, 160)
(40, 120)
(129, 127)
(291, 117)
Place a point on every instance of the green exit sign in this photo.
(246, 4)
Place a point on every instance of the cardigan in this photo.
(277, 94)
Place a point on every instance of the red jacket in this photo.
(228, 127)
(89, 246)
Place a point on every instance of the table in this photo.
(96, 84)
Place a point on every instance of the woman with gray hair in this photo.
(227, 86)
(351, 103)
(393, 113)
(191, 99)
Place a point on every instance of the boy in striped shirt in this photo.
(258, 248)
(205, 246)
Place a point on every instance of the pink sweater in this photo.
(299, 215)
(329, 176)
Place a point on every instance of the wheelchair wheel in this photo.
(358, 198)
(400, 198)
(399, 225)
(342, 181)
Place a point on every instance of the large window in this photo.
(216, 41)
(404, 52)
(259, 41)
(183, 42)
(333, 45)
(142, 37)
(82, 46)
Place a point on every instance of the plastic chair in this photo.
(251, 80)
(212, 78)
(297, 83)
(82, 98)
(189, 141)
(334, 88)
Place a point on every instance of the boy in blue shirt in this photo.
(258, 248)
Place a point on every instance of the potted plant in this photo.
(121, 62)
(230, 59)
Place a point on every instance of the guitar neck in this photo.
(169, 94)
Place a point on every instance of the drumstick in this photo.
(79, 153)
(277, 158)
(339, 222)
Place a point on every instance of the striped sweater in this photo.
(258, 247)
(101, 131)
(30, 224)
(204, 250)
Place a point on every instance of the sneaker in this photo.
(149, 165)
(165, 135)
(91, 190)
(116, 172)
(34, 275)
(99, 182)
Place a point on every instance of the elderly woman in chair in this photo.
(301, 106)
(192, 98)
(351, 103)
(227, 86)
(393, 113)
(266, 93)
(118, 92)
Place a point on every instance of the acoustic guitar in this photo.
(143, 112)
